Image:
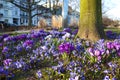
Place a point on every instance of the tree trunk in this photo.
(90, 20)
(65, 13)
(50, 4)
(30, 19)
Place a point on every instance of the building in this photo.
(9, 13)
(23, 15)
(12, 14)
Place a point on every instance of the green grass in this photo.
(117, 30)
(13, 33)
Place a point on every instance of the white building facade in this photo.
(9, 13)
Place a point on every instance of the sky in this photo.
(110, 7)
(113, 8)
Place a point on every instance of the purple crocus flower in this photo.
(97, 52)
(61, 47)
(5, 72)
(1, 69)
(110, 45)
(15, 38)
(118, 53)
(5, 35)
(28, 36)
(111, 35)
(118, 37)
(117, 46)
(67, 30)
(5, 50)
(1, 44)
(42, 30)
(7, 38)
(35, 35)
(108, 32)
(114, 78)
(7, 63)
(99, 58)
(19, 48)
(28, 43)
(79, 47)
(75, 32)
(66, 47)
(22, 36)
(91, 51)
(1, 37)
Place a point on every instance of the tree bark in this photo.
(29, 19)
(90, 20)
(50, 4)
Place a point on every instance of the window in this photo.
(16, 12)
(23, 20)
(34, 21)
(15, 20)
(6, 12)
(6, 20)
(26, 21)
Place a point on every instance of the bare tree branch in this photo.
(25, 9)
(27, 6)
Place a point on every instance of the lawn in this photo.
(117, 30)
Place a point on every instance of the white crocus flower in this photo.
(67, 35)
(106, 78)
(18, 64)
(39, 74)
(44, 47)
(48, 37)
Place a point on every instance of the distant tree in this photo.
(50, 4)
(107, 21)
(91, 20)
(55, 6)
(76, 4)
(27, 6)
(106, 6)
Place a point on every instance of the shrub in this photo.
(56, 21)
(109, 22)
(73, 22)
(42, 23)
